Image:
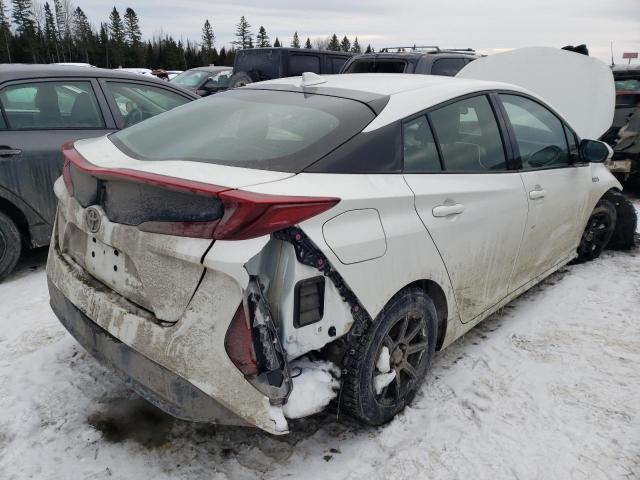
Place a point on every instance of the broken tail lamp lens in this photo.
(239, 344)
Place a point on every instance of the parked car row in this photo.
(369, 219)
(42, 108)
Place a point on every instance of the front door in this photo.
(473, 207)
(556, 187)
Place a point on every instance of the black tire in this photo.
(598, 232)
(240, 79)
(626, 221)
(409, 311)
(10, 245)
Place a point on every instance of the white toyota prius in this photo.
(367, 220)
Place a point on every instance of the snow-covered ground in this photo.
(549, 388)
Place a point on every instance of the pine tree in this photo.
(50, 35)
(345, 45)
(103, 37)
(355, 48)
(132, 32)
(369, 49)
(277, 43)
(262, 39)
(82, 33)
(23, 17)
(334, 44)
(243, 34)
(5, 33)
(308, 44)
(116, 30)
(208, 37)
(295, 43)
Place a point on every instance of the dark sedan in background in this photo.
(45, 106)
(204, 81)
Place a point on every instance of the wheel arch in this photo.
(18, 217)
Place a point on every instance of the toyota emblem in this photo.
(93, 219)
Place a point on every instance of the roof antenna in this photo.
(309, 79)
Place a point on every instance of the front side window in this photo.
(266, 130)
(469, 137)
(447, 66)
(420, 151)
(51, 105)
(137, 102)
(539, 133)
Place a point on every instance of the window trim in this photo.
(111, 102)
(514, 143)
(506, 147)
(108, 123)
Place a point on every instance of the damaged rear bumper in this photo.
(182, 368)
(166, 390)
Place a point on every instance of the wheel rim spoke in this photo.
(416, 347)
(411, 371)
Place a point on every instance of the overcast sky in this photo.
(488, 25)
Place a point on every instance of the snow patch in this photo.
(277, 416)
(313, 388)
(384, 360)
(382, 380)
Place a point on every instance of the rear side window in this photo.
(52, 105)
(267, 130)
(376, 66)
(137, 102)
(303, 63)
(447, 66)
(469, 137)
(419, 147)
(539, 133)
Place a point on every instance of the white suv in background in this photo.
(367, 219)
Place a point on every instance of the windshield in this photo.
(191, 78)
(628, 85)
(261, 129)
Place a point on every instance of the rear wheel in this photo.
(10, 245)
(385, 366)
(598, 231)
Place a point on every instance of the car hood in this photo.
(579, 87)
(103, 153)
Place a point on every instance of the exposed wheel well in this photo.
(436, 294)
(18, 217)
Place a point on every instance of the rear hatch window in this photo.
(259, 129)
(376, 65)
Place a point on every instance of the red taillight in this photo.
(246, 214)
(239, 344)
(251, 215)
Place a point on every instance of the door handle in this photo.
(536, 194)
(446, 210)
(9, 152)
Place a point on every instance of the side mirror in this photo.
(594, 151)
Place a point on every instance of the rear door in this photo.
(40, 116)
(473, 207)
(555, 185)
